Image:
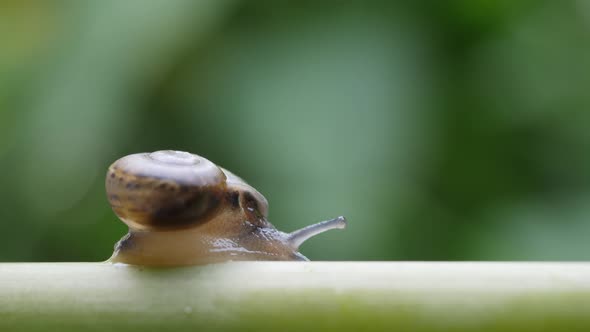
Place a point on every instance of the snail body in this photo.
(182, 209)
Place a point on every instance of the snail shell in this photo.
(182, 209)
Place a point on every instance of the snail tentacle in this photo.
(296, 238)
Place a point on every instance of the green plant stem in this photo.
(301, 296)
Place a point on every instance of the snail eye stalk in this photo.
(296, 238)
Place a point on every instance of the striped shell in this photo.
(165, 190)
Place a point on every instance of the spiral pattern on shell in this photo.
(164, 190)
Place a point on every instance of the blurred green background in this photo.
(452, 130)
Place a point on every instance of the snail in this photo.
(182, 209)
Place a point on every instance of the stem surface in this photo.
(296, 296)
